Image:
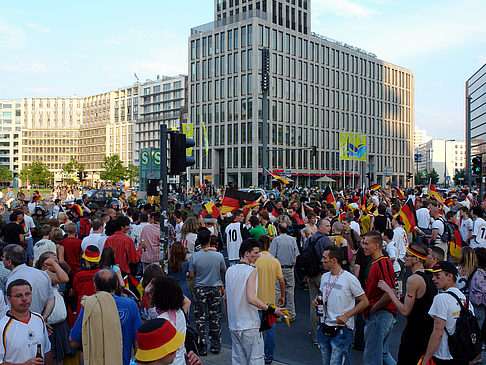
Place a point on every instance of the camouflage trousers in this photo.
(207, 309)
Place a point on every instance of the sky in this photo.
(63, 48)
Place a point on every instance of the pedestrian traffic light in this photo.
(409, 176)
(477, 162)
(179, 160)
(314, 151)
(368, 176)
(80, 175)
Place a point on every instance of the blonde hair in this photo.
(189, 226)
(468, 261)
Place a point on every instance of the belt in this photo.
(287, 266)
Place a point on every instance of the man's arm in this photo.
(412, 288)
(435, 232)
(48, 307)
(253, 299)
(435, 339)
(363, 303)
(281, 300)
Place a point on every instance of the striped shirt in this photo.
(271, 230)
(151, 236)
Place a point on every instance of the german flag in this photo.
(233, 197)
(375, 187)
(37, 198)
(277, 177)
(433, 193)
(408, 215)
(329, 197)
(400, 192)
(212, 209)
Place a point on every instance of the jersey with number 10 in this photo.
(233, 240)
(479, 230)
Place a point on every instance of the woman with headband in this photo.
(420, 294)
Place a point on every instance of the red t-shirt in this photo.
(381, 269)
(83, 284)
(72, 253)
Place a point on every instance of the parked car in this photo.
(101, 197)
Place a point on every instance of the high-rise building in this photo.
(10, 122)
(420, 137)
(439, 154)
(318, 88)
(476, 117)
(50, 132)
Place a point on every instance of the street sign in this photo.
(145, 157)
(156, 158)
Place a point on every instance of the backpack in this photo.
(449, 228)
(477, 287)
(84, 226)
(453, 237)
(307, 263)
(465, 344)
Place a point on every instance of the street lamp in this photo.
(445, 160)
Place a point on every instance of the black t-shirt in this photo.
(11, 233)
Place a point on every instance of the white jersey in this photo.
(20, 340)
(479, 230)
(234, 240)
(401, 241)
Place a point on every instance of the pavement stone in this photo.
(224, 358)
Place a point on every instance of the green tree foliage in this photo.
(73, 166)
(114, 170)
(5, 174)
(36, 173)
(460, 177)
(419, 179)
(433, 177)
(132, 172)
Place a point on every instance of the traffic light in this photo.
(179, 160)
(265, 69)
(476, 165)
(368, 176)
(80, 176)
(314, 151)
(409, 176)
(85, 174)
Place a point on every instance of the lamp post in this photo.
(445, 160)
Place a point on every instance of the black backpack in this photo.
(465, 343)
(307, 263)
(449, 231)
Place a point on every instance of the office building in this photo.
(476, 117)
(10, 121)
(420, 137)
(439, 154)
(318, 88)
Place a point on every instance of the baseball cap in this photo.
(445, 266)
(156, 339)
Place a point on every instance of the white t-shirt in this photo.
(21, 339)
(466, 228)
(95, 239)
(233, 240)
(439, 225)
(479, 230)
(401, 241)
(392, 251)
(189, 243)
(341, 298)
(178, 228)
(180, 325)
(29, 224)
(445, 307)
(423, 218)
(355, 227)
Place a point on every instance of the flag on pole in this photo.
(233, 197)
(206, 140)
(400, 192)
(277, 177)
(433, 193)
(212, 209)
(329, 197)
(408, 215)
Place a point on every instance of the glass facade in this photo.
(476, 116)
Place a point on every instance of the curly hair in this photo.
(177, 256)
(167, 293)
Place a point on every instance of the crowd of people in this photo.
(71, 276)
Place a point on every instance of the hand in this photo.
(34, 362)
(315, 304)
(143, 245)
(372, 310)
(342, 319)
(383, 286)
(279, 312)
(192, 359)
(49, 328)
(50, 262)
(281, 301)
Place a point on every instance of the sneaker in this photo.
(215, 351)
(315, 343)
(203, 351)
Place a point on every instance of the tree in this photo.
(73, 166)
(460, 177)
(433, 176)
(114, 169)
(132, 173)
(419, 180)
(36, 173)
(5, 174)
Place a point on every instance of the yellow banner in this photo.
(206, 140)
(352, 146)
(188, 130)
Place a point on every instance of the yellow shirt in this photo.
(269, 270)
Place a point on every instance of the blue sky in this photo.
(64, 48)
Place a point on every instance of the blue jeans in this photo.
(333, 350)
(269, 341)
(377, 331)
(30, 247)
